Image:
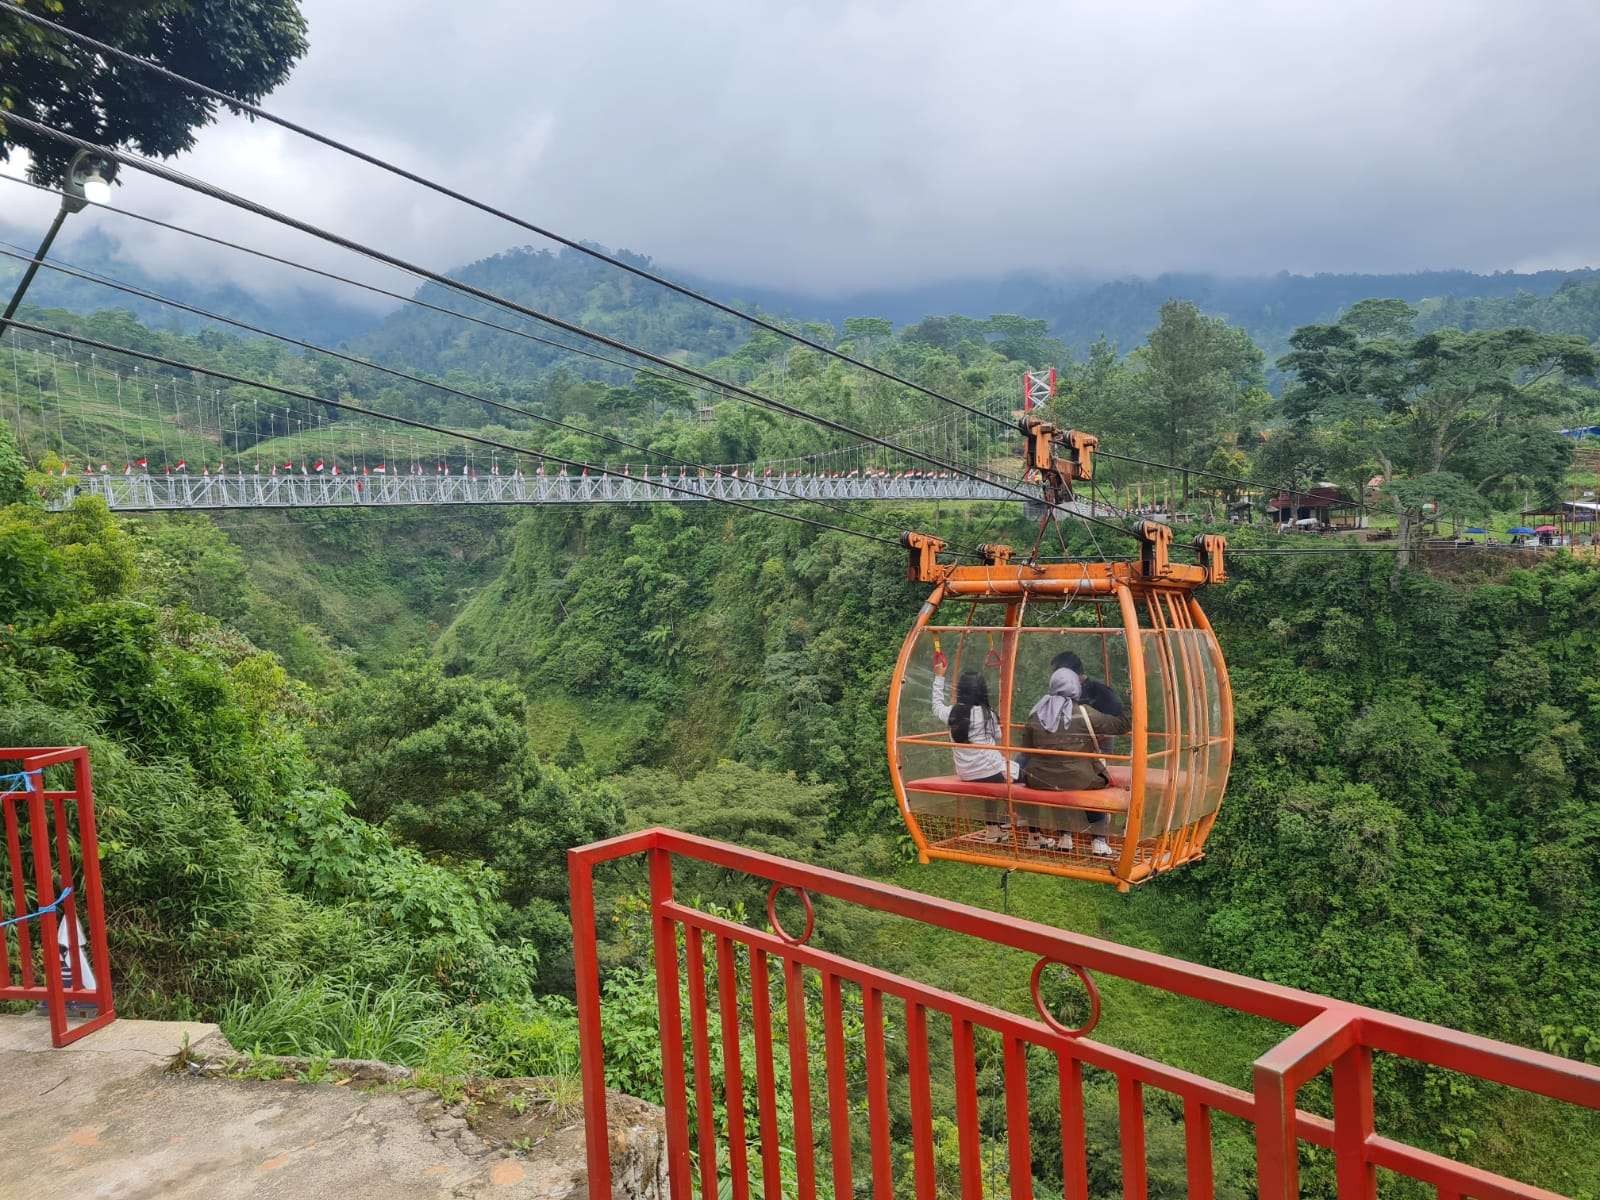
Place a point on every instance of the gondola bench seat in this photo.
(1111, 799)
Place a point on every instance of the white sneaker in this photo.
(1102, 848)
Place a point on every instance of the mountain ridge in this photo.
(1078, 310)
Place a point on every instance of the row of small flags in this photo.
(181, 467)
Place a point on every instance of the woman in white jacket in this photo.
(973, 726)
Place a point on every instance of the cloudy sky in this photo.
(826, 146)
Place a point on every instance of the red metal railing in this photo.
(60, 957)
(1329, 1034)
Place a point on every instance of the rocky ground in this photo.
(146, 1109)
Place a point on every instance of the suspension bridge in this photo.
(152, 441)
(143, 492)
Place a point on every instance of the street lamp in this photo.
(88, 181)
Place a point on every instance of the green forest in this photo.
(340, 755)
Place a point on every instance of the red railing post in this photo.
(1277, 1147)
(766, 1075)
(1353, 1124)
(1018, 1133)
(921, 1100)
(89, 855)
(1279, 1074)
(1197, 1149)
(591, 1045)
(805, 1155)
(19, 893)
(1130, 1120)
(838, 1087)
(969, 1141)
(674, 1096)
(732, 1070)
(705, 1113)
(49, 930)
(877, 1095)
(1074, 1135)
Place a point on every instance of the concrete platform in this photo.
(105, 1117)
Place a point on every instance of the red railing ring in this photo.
(1044, 1013)
(777, 926)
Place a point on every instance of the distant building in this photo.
(1317, 504)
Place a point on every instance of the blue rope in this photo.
(16, 782)
(53, 907)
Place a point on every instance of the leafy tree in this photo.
(1200, 376)
(245, 47)
(864, 331)
(1447, 418)
(443, 763)
(13, 469)
(572, 753)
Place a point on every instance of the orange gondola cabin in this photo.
(1135, 628)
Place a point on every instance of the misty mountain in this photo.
(1079, 312)
(591, 293)
(1269, 308)
(565, 284)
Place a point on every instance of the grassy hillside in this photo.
(376, 589)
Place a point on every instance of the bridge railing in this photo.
(710, 1137)
(144, 492)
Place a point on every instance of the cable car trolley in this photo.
(1112, 785)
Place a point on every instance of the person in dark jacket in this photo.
(1097, 695)
(1061, 720)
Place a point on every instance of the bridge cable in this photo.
(719, 390)
(373, 288)
(244, 106)
(1175, 468)
(494, 443)
(443, 387)
(736, 390)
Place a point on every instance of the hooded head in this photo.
(1055, 709)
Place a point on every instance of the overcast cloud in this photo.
(830, 146)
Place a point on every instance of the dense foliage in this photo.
(241, 880)
(243, 47)
(342, 759)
